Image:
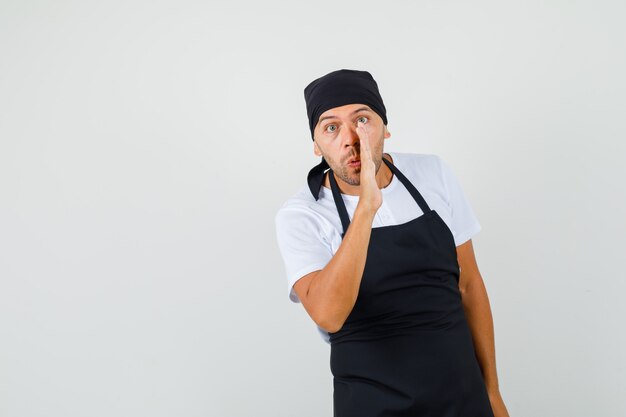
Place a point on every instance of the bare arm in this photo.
(480, 321)
(329, 295)
(477, 311)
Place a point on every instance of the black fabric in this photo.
(339, 88)
(315, 178)
(406, 348)
(336, 89)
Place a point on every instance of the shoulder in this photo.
(302, 211)
(414, 159)
(423, 166)
(301, 201)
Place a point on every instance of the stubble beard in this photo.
(352, 176)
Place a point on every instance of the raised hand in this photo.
(370, 196)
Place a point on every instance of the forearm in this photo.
(480, 321)
(335, 290)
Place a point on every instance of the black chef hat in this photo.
(336, 89)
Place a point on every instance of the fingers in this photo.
(364, 136)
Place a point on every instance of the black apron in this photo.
(406, 348)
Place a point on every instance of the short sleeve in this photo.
(464, 221)
(302, 243)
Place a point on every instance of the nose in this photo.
(351, 138)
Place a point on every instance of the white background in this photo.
(145, 148)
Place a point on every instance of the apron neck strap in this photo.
(341, 207)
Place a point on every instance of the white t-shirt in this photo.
(309, 231)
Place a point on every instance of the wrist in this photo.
(364, 210)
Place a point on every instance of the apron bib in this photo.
(406, 349)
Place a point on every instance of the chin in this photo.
(355, 180)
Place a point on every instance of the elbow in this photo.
(333, 329)
(331, 325)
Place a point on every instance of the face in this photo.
(335, 139)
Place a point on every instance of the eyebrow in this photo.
(335, 117)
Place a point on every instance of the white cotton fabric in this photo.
(309, 231)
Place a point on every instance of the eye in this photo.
(363, 117)
(331, 131)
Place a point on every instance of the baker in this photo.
(377, 248)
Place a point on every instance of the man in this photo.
(374, 249)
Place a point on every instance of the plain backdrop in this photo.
(145, 147)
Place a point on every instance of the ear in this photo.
(316, 149)
(386, 132)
